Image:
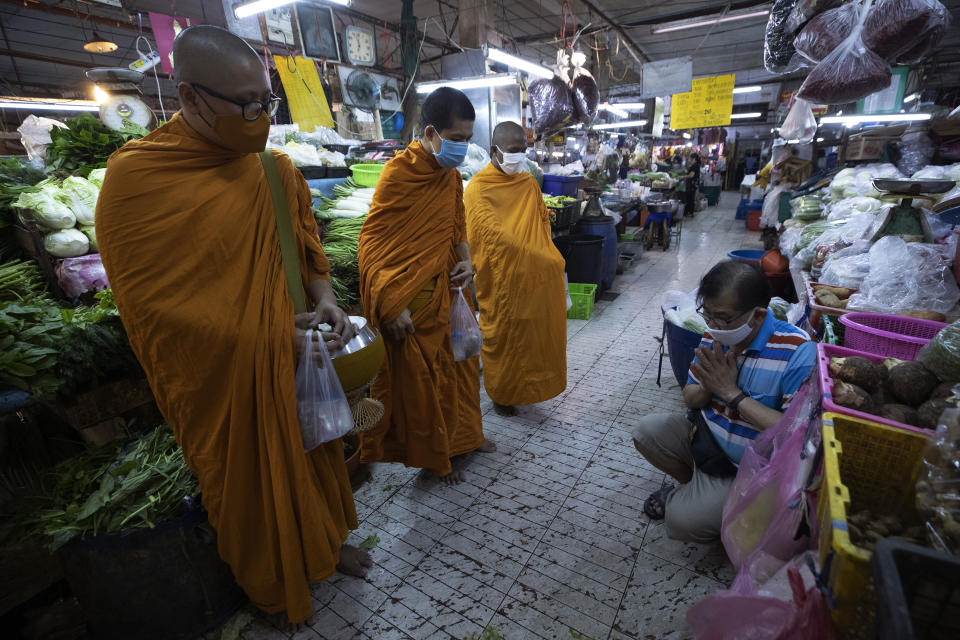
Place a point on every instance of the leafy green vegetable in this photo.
(21, 281)
(370, 542)
(81, 196)
(47, 204)
(85, 144)
(133, 484)
(16, 176)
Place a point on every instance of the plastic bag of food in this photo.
(825, 32)
(906, 277)
(845, 270)
(680, 309)
(938, 486)
(551, 105)
(807, 10)
(916, 152)
(322, 407)
(897, 27)
(942, 354)
(800, 123)
(465, 337)
(586, 94)
(851, 72)
(81, 275)
(778, 51)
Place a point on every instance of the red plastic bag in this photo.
(905, 28)
(851, 72)
(826, 32)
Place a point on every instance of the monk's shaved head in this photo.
(509, 134)
(207, 54)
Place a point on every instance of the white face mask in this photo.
(512, 163)
(733, 337)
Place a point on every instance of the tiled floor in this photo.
(547, 538)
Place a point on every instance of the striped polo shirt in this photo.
(772, 369)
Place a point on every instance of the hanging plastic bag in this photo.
(851, 72)
(778, 51)
(826, 32)
(566, 287)
(322, 407)
(551, 105)
(800, 123)
(586, 94)
(896, 27)
(465, 337)
(805, 11)
(938, 487)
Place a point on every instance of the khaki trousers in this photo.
(694, 510)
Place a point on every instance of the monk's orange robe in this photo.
(523, 302)
(407, 251)
(187, 234)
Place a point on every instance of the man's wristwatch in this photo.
(734, 404)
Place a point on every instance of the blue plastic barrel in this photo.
(605, 227)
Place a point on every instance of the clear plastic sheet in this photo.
(916, 152)
(938, 487)
(906, 277)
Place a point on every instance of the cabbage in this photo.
(47, 208)
(91, 234)
(857, 204)
(96, 177)
(931, 173)
(81, 196)
(67, 243)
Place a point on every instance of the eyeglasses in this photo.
(719, 323)
(252, 109)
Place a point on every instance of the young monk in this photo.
(520, 286)
(413, 250)
(187, 233)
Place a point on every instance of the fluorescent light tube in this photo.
(518, 63)
(618, 125)
(51, 104)
(610, 108)
(629, 106)
(911, 98)
(493, 80)
(750, 89)
(744, 116)
(708, 22)
(860, 119)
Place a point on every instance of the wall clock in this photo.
(360, 46)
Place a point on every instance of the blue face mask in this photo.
(451, 153)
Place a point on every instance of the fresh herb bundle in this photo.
(85, 144)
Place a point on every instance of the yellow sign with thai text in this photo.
(708, 104)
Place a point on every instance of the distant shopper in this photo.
(693, 183)
(745, 373)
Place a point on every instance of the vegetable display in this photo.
(134, 484)
(85, 144)
(340, 222)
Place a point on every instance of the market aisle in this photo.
(548, 536)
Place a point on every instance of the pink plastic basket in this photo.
(889, 336)
(827, 351)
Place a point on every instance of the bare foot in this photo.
(452, 478)
(354, 561)
(504, 410)
(487, 447)
(282, 622)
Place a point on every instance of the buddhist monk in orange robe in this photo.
(187, 234)
(412, 250)
(520, 285)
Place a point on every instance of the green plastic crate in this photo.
(582, 297)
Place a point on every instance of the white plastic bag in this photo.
(322, 407)
(35, 136)
(566, 287)
(465, 337)
(800, 123)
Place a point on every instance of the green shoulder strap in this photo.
(288, 247)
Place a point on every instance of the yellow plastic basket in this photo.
(366, 175)
(866, 466)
